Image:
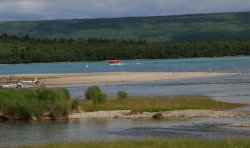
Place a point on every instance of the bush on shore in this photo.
(75, 103)
(122, 95)
(27, 103)
(95, 94)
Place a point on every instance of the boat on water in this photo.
(114, 62)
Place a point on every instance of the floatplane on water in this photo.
(114, 62)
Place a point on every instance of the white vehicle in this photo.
(30, 82)
(14, 85)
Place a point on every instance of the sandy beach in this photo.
(165, 114)
(112, 77)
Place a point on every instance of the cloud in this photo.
(61, 9)
(29, 6)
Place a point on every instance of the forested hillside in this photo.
(29, 50)
(153, 29)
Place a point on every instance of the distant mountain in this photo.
(156, 28)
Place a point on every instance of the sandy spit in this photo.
(114, 77)
(165, 114)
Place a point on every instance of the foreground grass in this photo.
(144, 104)
(172, 143)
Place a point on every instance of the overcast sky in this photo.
(65, 9)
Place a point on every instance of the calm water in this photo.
(236, 64)
(228, 88)
(25, 133)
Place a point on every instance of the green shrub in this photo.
(99, 98)
(95, 94)
(75, 103)
(28, 104)
(91, 92)
(58, 102)
(60, 109)
(25, 103)
(122, 95)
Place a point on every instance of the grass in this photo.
(27, 103)
(55, 103)
(171, 143)
(145, 104)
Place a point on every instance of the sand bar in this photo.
(113, 77)
(165, 114)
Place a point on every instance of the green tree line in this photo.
(28, 49)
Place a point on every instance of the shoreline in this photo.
(113, 77)
(191, 113)
(128, 114)
(211, 57)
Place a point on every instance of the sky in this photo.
(72, 9)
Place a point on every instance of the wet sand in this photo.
(112, 77)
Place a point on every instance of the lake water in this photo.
(234, 88)
(228, 88)
(231, 64)
(26, 133)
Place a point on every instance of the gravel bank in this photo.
(240, 124)
(164, 114)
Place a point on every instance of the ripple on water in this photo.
(26, 133)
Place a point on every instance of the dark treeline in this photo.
(31, 50)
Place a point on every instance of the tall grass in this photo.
(167, 143)
(141, 104)
(27, 103)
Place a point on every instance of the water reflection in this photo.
(26, 133)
